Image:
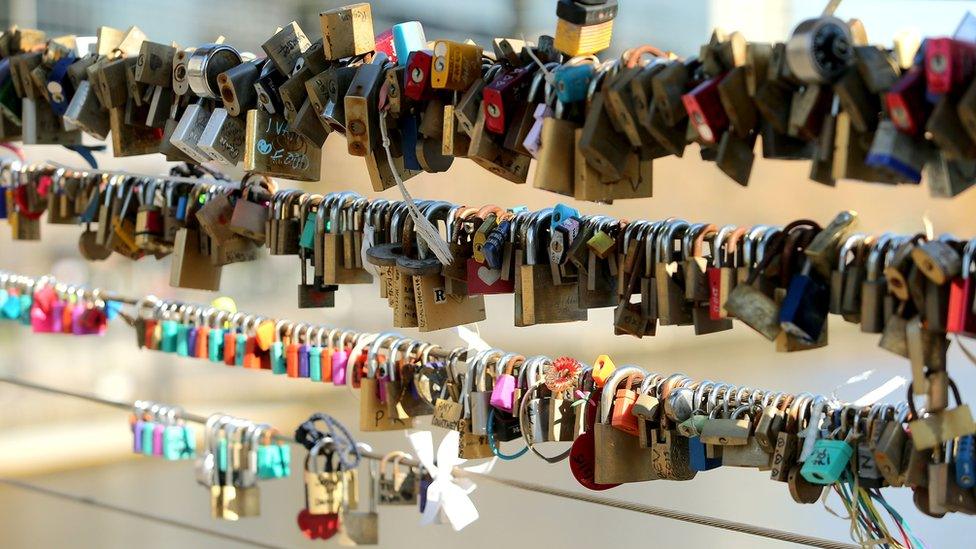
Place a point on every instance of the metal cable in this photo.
(92, 502)
(538, 488)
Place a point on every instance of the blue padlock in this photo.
(828, 462)
(494, 246)
(965, 458)
(698, 459)
(181, 204)
(59, 88)
(408, 37)
(3, 203)
(573, 81)
(408, 140)
(559, 213)
(803, 312)
(192, 333)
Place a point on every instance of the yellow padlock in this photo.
(603, 368)
(265, 334)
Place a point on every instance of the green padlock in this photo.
(315, 363)
(692, 426)
(179, 442)
(274, 461)
(828, 462)
(182, 339)
(307, 239)
(239, 349)
(167, 342)
(26, 302)
(215, 345)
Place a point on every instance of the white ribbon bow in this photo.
(446, 495)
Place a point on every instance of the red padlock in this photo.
(705, 110)
(384, 43)
(949, 64)
(962, 293)
(230, 347)
(498, 96)
(905, 102)
(417, 85)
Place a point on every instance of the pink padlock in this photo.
(40, 321)
(42, 309)
(340, 359)
(76, 314)
(503, 393)
(57, 316)
(157, 439)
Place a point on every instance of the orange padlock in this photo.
(623, 417)
(203, 343)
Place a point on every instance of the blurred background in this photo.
(83, 448)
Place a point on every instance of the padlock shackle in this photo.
(610, 387)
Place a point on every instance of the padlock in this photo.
(455, 65)
(584, 27)
(347, 31)
(619, 457)
(820, 50)
(361, 527)
(949, 64)
(803, 312)
(732, 431)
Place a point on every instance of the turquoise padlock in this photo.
(278, 365)
(215, 345)
(239, 349)
(315, 363)
(828, 462)
(147, 438)
(307, 239)
(179, 442)
(274, 461)
(222, 455)
(182, 340)
(573, 81)
(561, 212)
(11, 307)
(167, 341)
(26, 302)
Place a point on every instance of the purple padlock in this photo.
(191, 340)
(339, 360)
(303, 368)
(57, 316)
(137, 436)
(77, 326)
(533, 139)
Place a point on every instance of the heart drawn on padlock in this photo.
(318, 526)
(489, 276)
